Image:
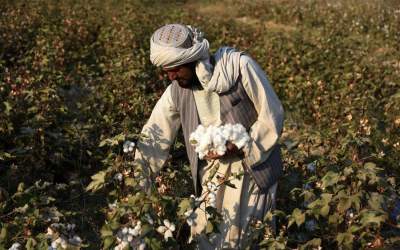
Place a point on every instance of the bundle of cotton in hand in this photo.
(214, 138)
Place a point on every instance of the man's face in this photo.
(183, 74)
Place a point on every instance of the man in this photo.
(227, 87)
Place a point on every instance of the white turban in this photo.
(176, 44)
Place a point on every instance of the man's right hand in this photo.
(212, 156)
(231, 149)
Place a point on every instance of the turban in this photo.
(176, 44)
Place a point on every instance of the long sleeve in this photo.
(158, 133)
(265, 132)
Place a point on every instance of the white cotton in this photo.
(161, 229)
(167, 229)
(54, 244)
(142, 246)
(15, 246)
(167, 234)
(76, 240)
(129, 238)
(149, 219)
(214, 139)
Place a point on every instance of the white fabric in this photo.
(226, 70)
(208, 107)
(169, 57)
(204, 71)
(238, 206)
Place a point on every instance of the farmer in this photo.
(227, 87)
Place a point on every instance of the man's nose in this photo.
(172, 75)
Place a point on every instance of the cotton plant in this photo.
(190, 217)
(15, 246)
(209, 199)
(167, 229)
(118, 177)
(63, 236)
(212, 194)
(128, 146)
(130, 236)
(214, 138)
(196, 200)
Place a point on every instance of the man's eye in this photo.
(173, 70)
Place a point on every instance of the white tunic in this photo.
(238, 205)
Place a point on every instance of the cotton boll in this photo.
(161, 229)
(212, 138)
(201, 129)
(206, 140)
(76, 240)
(202, 155)
(221, 150)
(242, 141)
(15, 246)
(129, 238)
(227, 131)
(136, 231)
(219, 140)
(142, 246)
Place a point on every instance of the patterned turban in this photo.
(176, 44)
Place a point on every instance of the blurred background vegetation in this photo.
(74, 73)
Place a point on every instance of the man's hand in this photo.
(231, 149)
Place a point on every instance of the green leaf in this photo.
(146, 229)
(153, 243)
(229, 184)
(5, 156)
(213, 171)
(345, 239)
(311, 244)
(344, 204)
(375, 201)
(30, 244)
(326, 198)
(108, 242)
(370, 217)
(184, 205)
(4, 232)
(299, 216)
(8, 108)
(324, 210)
(97, 181)
(335, 219)
(209, 227)
(106, 231)
(130, 182)
(329, 179)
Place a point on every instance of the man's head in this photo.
(184, 74)
(177, 49)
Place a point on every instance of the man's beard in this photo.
(188, 84)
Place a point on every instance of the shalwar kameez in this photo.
(240, 205)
